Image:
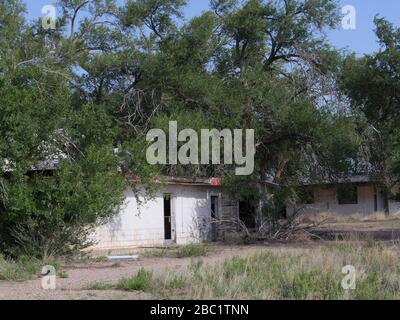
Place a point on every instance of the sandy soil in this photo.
(80, 275)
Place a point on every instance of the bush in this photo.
(50, 216)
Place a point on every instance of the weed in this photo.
(306, 275)
(99, 286)
(142, 281)
(24, 268)
(191, 251)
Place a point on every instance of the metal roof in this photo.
(174, 180)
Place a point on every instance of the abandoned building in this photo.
(184, 211)
(195, 210)
(359, 194)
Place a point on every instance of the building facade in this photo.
(184, 211)
(359, 195)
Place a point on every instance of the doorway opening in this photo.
(215, 216)
(381, 200)
(167, 217)
(247, 214)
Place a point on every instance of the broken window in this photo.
(347, 194)
(306, 195)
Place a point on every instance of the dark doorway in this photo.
(247, 214)
(381, 200)
(167, 217)
(214, 217)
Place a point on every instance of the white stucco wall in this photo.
(394, 207)
(326, 202)
(143, 226)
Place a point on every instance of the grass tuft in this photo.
(24, 268)
(158, 253)
(191, 251)
(142, 281)
(99, 286)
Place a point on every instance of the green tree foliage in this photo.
(261, 65)
(255, 64)
(108, 74)
(43, 211)
(372, 84)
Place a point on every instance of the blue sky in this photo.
(361, 40)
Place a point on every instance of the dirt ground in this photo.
(80, 275)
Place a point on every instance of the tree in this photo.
(108, 74)
(254, 64)
(57, 162)
(372, 83)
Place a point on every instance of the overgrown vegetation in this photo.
(372, 84)
(306, 275)
(282, 275)
(77, 102)
(56, 156)
(24, 268)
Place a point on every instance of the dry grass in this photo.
(279, 275)
(187, 251)
(357, 217)
(25, 268)
(311, 275)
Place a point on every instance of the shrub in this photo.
(51, 216)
